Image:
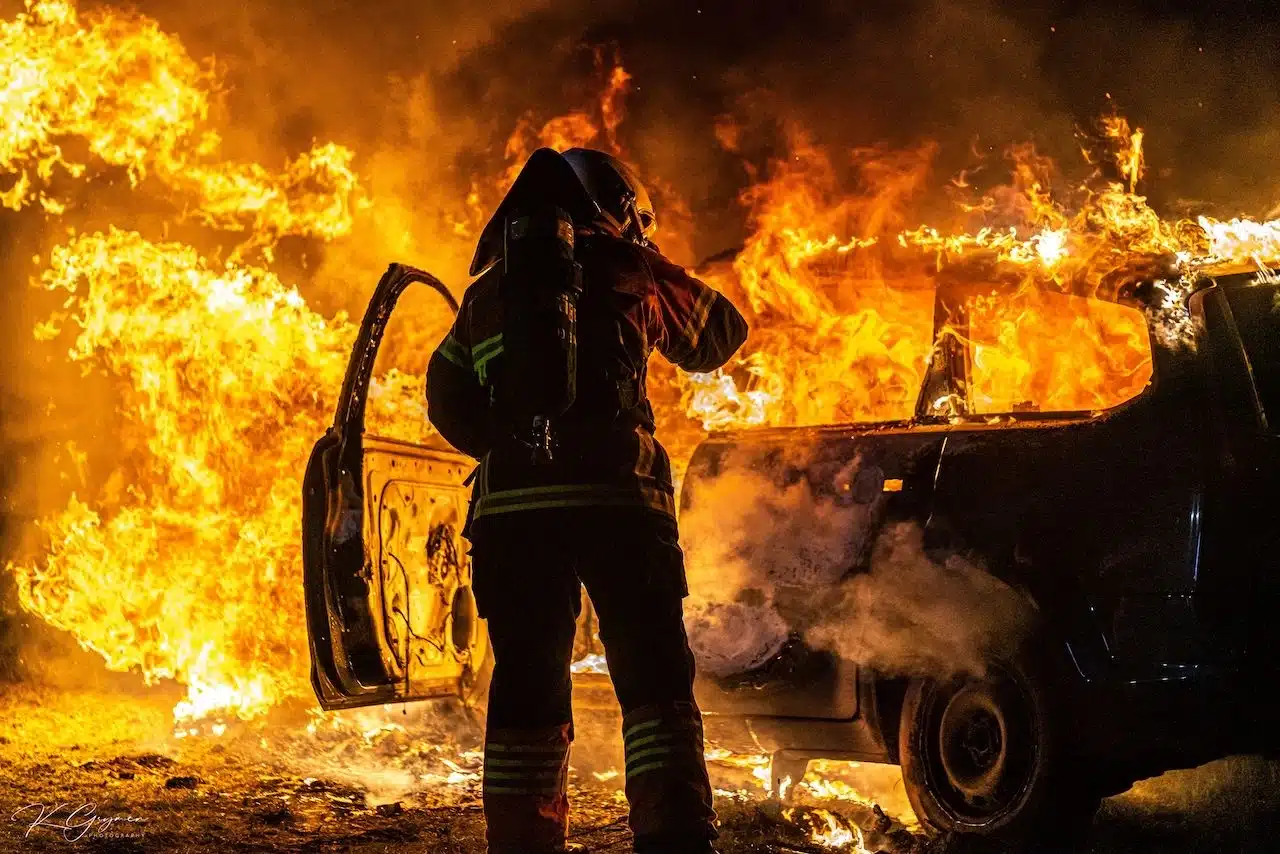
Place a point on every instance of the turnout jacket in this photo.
(606, 454)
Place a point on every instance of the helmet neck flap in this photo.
(594, 188)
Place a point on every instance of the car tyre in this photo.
(988, 761)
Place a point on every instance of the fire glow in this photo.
(223, 374)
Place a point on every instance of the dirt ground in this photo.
(406, 780)
(402, 779)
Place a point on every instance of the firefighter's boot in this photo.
(526, 804)
(667, 784)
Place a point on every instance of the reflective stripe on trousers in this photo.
(667, 783)
(526, 805)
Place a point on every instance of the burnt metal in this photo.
(381, 517)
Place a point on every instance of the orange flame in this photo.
(1128, 154)
(217, 369)
(140, 102)
(223, 375)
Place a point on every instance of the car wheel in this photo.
(987, 760)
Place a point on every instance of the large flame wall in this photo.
(168, 310)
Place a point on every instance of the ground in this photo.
(404, 780)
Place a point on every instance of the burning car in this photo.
(1136, 536)
(1131, 536)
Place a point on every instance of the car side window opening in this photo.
(1256, 312)
(396, 407)
(1040, 351)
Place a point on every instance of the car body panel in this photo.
(415, 507)
(387, 579)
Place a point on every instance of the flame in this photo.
(137, 100)
(756, 765)
(1128, 149)
(592, 663)
(1019, 361)
(824, 347)
(221, 374)
(216, 369)
(828, 829)
(595, 125)
(1241, 241)
(842, 316)
(612, 110)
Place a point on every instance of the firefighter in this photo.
(579, 493)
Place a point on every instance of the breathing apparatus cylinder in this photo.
(540, 287)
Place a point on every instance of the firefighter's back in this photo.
(604, 452)
(542, 378)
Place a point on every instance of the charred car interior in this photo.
(1135, 535)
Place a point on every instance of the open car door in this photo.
(390, 613)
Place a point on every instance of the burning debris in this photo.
(294, 778)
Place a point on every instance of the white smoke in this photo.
(911, 614)
(767, 563)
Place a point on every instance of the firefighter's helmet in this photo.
(616, 189)
(587, 184)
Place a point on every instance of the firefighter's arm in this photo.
(700, 328)
(457, 405)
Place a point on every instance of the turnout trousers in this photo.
(528, 568)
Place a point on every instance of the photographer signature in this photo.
(76, 823)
